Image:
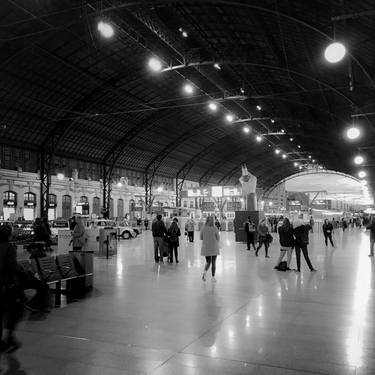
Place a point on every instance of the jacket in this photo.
(158, 228)
(262, 230)
(210, 241)
(327, 228)
(8, 264)
(173, 234)
(301, 233)
(371, 227)
(286, 236)
(189, 227)
(78, 236)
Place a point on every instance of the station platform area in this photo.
(143, 318)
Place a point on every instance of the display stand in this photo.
(107, 242)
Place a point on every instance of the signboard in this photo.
(234, 206)
(217, 191)
(231, 191)
(198, 192)
(208, 206)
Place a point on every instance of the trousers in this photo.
(305, 252)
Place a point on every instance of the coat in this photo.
(189, 227)
(301, 233)
(8, 264)
(78, 235)
(210, 241)
(286, 237)
(173, 234)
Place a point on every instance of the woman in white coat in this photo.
(210, 246)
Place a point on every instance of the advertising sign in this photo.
(198, 192)
(231, 191)
(208, 206)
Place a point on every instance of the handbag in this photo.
(269, 238)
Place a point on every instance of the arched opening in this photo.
(29, 202)
(9, 205)
(96, 206)
(120, 208)
(52, 205)
(66, 206)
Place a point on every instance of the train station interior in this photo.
(153, 156)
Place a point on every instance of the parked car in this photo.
(126, 224)
(123, 231)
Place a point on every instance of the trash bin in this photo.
(84, 264)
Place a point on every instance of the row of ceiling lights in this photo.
(156, 66)
(333, 53)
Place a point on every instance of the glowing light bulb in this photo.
(277, 151)
(155, 64)
(229, 118)
(335, 52)
(246, 129)
(358, 159)
(258, 138)
(212, 106)
(362, 174)
(188, 88)
(353, 133)
(106, 29)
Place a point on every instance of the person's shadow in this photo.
(14, 366)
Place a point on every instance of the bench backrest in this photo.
(66, 266)
(48, 269)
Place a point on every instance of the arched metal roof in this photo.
(96, 96)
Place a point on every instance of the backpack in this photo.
(282, 266)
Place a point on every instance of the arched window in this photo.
(52, 200)
(84, 203)
(29, 199)
(120, 208)
(66, 206)
(96, 206)
(10, 198)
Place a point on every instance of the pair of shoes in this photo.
(177, 261)
(256, 253)
(204, 276)
(213, 279)
(248, 249)
(296, 270)
(313, 270)
(287, 269)
(276, 267)
(267, 256)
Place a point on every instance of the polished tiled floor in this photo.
(143, 318)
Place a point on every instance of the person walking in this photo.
(210, 247)
(263, 237)
(301, 234)
(189, 228)
(217, 224)
(312, 222)
(173, 234)
(158, 233)
(11, 296)
(286, 243)
(145, 221)
(371, 227)
(250, 233)
(327, 231)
